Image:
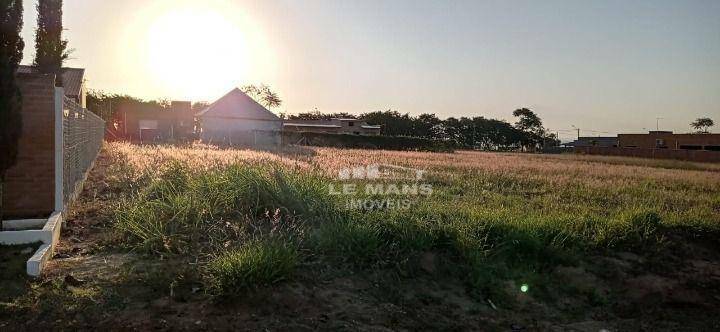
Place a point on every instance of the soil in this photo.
(13, 261)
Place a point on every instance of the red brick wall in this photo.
(689, 155)
(29, 188)
(672, 141)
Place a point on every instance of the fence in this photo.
(57, 147)
(688, 155)
(83, 133)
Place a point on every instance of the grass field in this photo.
(503, 239)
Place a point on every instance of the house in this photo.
(332, 126)
(661, 145)
(607, 142)
(145, 123)
(237, 119)
(669, 140)
(73, 82)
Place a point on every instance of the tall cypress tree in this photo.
(11, 52)
(50, 48)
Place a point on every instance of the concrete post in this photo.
(59, 162)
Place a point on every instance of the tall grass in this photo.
(254, 264)
(356, 243)
(493, 216)
(181, 211)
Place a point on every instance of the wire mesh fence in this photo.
(83, 134)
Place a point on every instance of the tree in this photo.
(702, 125)
(427, 125)
(263, 95)
(106, 104)
(528, 120)
(531, 124)
(393, 123)
(50, 48)
(11, 48)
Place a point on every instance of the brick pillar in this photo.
(29, 188)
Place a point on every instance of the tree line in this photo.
(477, 132)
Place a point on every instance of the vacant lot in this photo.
(202, 238)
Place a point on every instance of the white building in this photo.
(237, 119)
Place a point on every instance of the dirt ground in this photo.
(95, 284)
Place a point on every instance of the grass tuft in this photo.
(356, 243)
(254, 264)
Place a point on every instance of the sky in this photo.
(605, 67)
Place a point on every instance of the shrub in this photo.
(254, 264)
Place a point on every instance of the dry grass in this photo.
(560, 169)
(136, 164)
(563, 168)
(498, 214)
(197, 156)
(675, 189)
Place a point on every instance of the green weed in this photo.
(258, 263)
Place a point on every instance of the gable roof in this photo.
(72, 78)
(237, 105)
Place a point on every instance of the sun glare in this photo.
(196, 52)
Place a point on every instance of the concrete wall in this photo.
(29, 188)
(596, 141)
(337, 126)
(174, 123)
(240, 131)
(305, 129)
(689, 155)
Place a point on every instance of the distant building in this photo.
(607, 142)
(73, 80)
(668, 140)
(151, 123)
(237, 119)
(332, 126)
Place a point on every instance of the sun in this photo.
(196, 52)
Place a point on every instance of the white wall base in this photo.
(36, 263)
(24, 224)
(48, 236)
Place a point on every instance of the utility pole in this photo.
(578, 131)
